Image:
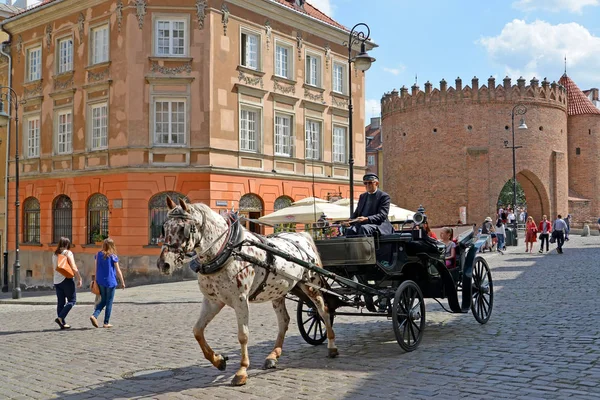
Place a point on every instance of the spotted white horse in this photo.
(226, 277)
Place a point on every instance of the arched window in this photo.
(158, 213)
(282, 202)
(97, 218)
(62, 218)
(31, 220)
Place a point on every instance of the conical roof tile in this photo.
(577, 102)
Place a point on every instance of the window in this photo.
(65, 55)
(33, 137)
(97, 218)
(65, 137)
(313, 140)
(283, 61)
(313, 70)
(158, 213)
(250, 50)
(249, 129)
(62, 218)
(171, 37)
(31, 220)
(169, 121)
(339, 144)
(99, 114)
(578, 151)
(34, 64)
(283, 135)
(338, 78)
(99, 45)
(371, 159)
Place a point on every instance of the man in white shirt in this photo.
(558, 232)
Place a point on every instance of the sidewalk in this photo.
(175, 292)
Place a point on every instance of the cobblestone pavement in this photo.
(543, 341)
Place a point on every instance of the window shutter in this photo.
(244, 49)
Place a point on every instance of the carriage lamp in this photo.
(362, 62)
(9, 97)
(518, 109)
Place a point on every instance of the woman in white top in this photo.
(65, 287)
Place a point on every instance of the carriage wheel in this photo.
(408, 315)
(483, 291)
(310, 324)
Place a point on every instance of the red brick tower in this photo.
(451, 143)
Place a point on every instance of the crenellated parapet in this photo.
(548, 93)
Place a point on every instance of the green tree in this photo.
(506, 195)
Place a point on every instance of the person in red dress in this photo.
(530, 234)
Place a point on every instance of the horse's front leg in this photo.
(317, 299)
(209, 310)
(283, 321)
(243, 314)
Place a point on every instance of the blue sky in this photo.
(437, 39)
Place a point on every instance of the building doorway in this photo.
(251, 207)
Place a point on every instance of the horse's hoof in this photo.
(270, 363)
(222, 363)
(332, 353)
(239, 380)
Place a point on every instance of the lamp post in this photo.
(518, 109)
(7, 94)
(362, 62)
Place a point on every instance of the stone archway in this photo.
(251, 206)
(538, 199)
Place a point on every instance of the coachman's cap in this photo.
(370, 177)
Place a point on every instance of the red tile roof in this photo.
(577, 102)
(311, 11)
(375, 142)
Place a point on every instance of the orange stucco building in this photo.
(232, 103)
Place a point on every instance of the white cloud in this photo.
(574, 6)
(372, 109)
(539, 48)
(323, 6)
(395, 71)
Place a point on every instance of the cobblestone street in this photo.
(542, 341)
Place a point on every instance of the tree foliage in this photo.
(506, 195)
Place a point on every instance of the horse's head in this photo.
(181, 235)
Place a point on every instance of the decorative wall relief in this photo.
(327, 55)
(268, 33)
(155, 67)
(19, 47)
(98, 76)
(119, 12)
(201, 12)
(225, 17)
(48, 32)
(285, 89)
(80, 25)
(250, 80)
(339, 103)
(34, 91)
(299, 44)
(61, 85)
(140, 10)
(314, 97)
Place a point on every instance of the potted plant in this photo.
(98, 238)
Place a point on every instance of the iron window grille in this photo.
(31, 221)
(97, 218)
(62, 218)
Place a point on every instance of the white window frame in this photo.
(32, 138)
(339, 87)
(339, 148)
(98, 132)
(170, 46)
(309, 140)
(371, 159)
(279, 140)
(244, 140)
(313, 71)
(244, 62)
(34, 74)
(64, 54)
(288, 73)
(170, 101)
(64, 131)
(99, 46)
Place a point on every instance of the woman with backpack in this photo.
(65, 287)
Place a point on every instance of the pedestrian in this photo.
(511, 217)
(558, 232)
(598, 222)
(568, 222)
(65, 287)
(545, 229)
(486, 229)
(107, 272)
(522, 216)
(530, 234)
(500, 235)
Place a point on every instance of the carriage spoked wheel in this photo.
(483, 291)
(311, 325)
(408, 315)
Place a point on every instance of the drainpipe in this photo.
(5, 244)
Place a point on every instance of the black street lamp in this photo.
(362, 62)
(518, 109)
(7, 94)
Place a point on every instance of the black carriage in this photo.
(391, 275)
